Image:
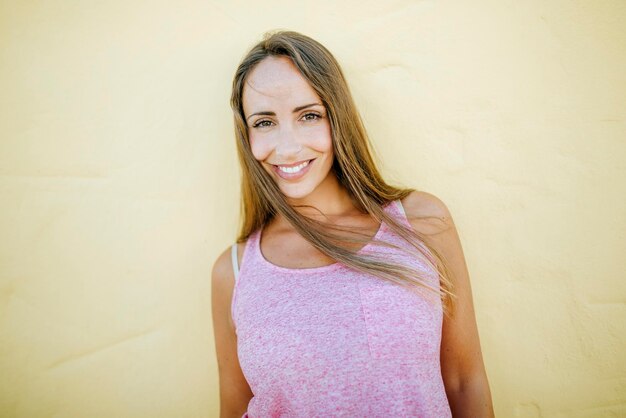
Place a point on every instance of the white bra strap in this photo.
(401, 207)
(233, 254)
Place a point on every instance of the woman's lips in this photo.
(297, 163)
(293, 176)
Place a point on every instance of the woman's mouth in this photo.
(293, 172)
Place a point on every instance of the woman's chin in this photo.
(295, 194)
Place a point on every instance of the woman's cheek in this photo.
(318, 144)
(322, 138)
(259, 149)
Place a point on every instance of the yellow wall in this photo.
(119, 185)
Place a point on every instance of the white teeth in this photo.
(293, 169)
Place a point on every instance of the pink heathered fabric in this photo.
(332, 342)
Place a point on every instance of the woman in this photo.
(343, 296)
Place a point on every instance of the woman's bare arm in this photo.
(462, 367)
(235, 393)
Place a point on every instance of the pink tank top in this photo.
(332, 342)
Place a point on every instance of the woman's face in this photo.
(288, 127)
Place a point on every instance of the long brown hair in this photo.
(353, 165)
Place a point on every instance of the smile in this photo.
(293, 172)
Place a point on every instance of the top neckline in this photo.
(333, 266)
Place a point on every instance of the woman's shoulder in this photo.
(223, 266)
(426, 212)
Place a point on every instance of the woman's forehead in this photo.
(276, 80)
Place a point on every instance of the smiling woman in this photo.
(343, 295)
(291, 140)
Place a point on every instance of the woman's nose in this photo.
(288, 144)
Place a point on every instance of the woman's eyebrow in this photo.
(297, 109)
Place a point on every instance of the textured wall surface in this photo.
(119, 187)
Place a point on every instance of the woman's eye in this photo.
(311, 116)
(267, 123)
(262, 124)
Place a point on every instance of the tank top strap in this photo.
(251, 252)
(401, 213)
(247, 264)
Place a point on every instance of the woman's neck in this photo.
(330, 199)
